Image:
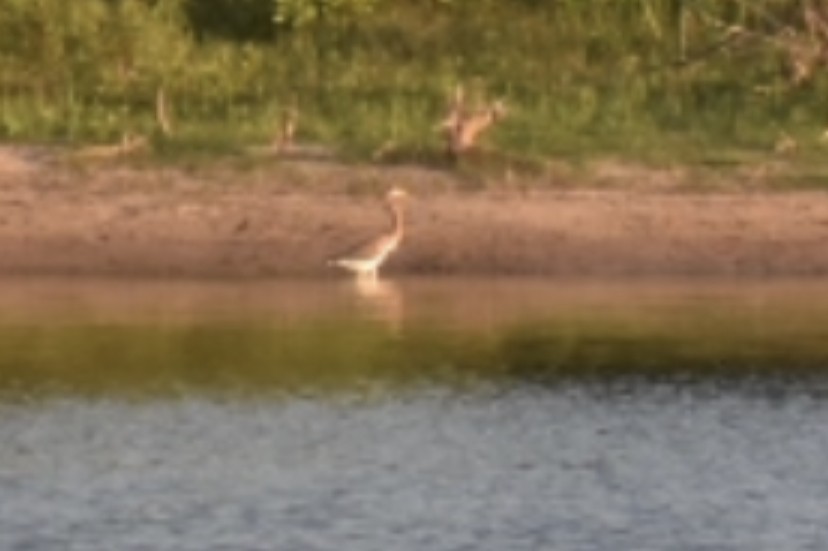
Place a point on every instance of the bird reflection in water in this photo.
(381, 301)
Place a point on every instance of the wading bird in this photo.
(366, 259)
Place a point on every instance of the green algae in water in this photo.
(126, 360)
(450, 334)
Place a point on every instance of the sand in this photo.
(286, 219)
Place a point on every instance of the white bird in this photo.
(366, 259)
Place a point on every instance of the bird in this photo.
(463, 129)
(365, 259)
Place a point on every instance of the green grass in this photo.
(581, 79)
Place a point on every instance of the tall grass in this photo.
(645, 78)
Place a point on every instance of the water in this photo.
(452, 415)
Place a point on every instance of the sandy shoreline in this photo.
(271, 222)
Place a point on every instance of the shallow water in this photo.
(154, 338)
(421, 415)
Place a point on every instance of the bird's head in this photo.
(396, 194)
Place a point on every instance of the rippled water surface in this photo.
(417, 415)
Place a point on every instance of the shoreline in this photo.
(286, 220)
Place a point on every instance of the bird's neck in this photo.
(396, 212)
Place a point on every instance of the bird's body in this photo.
(365, 260)
(463, 134)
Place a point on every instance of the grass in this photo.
(582, 80)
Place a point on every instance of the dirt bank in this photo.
(286, 219)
